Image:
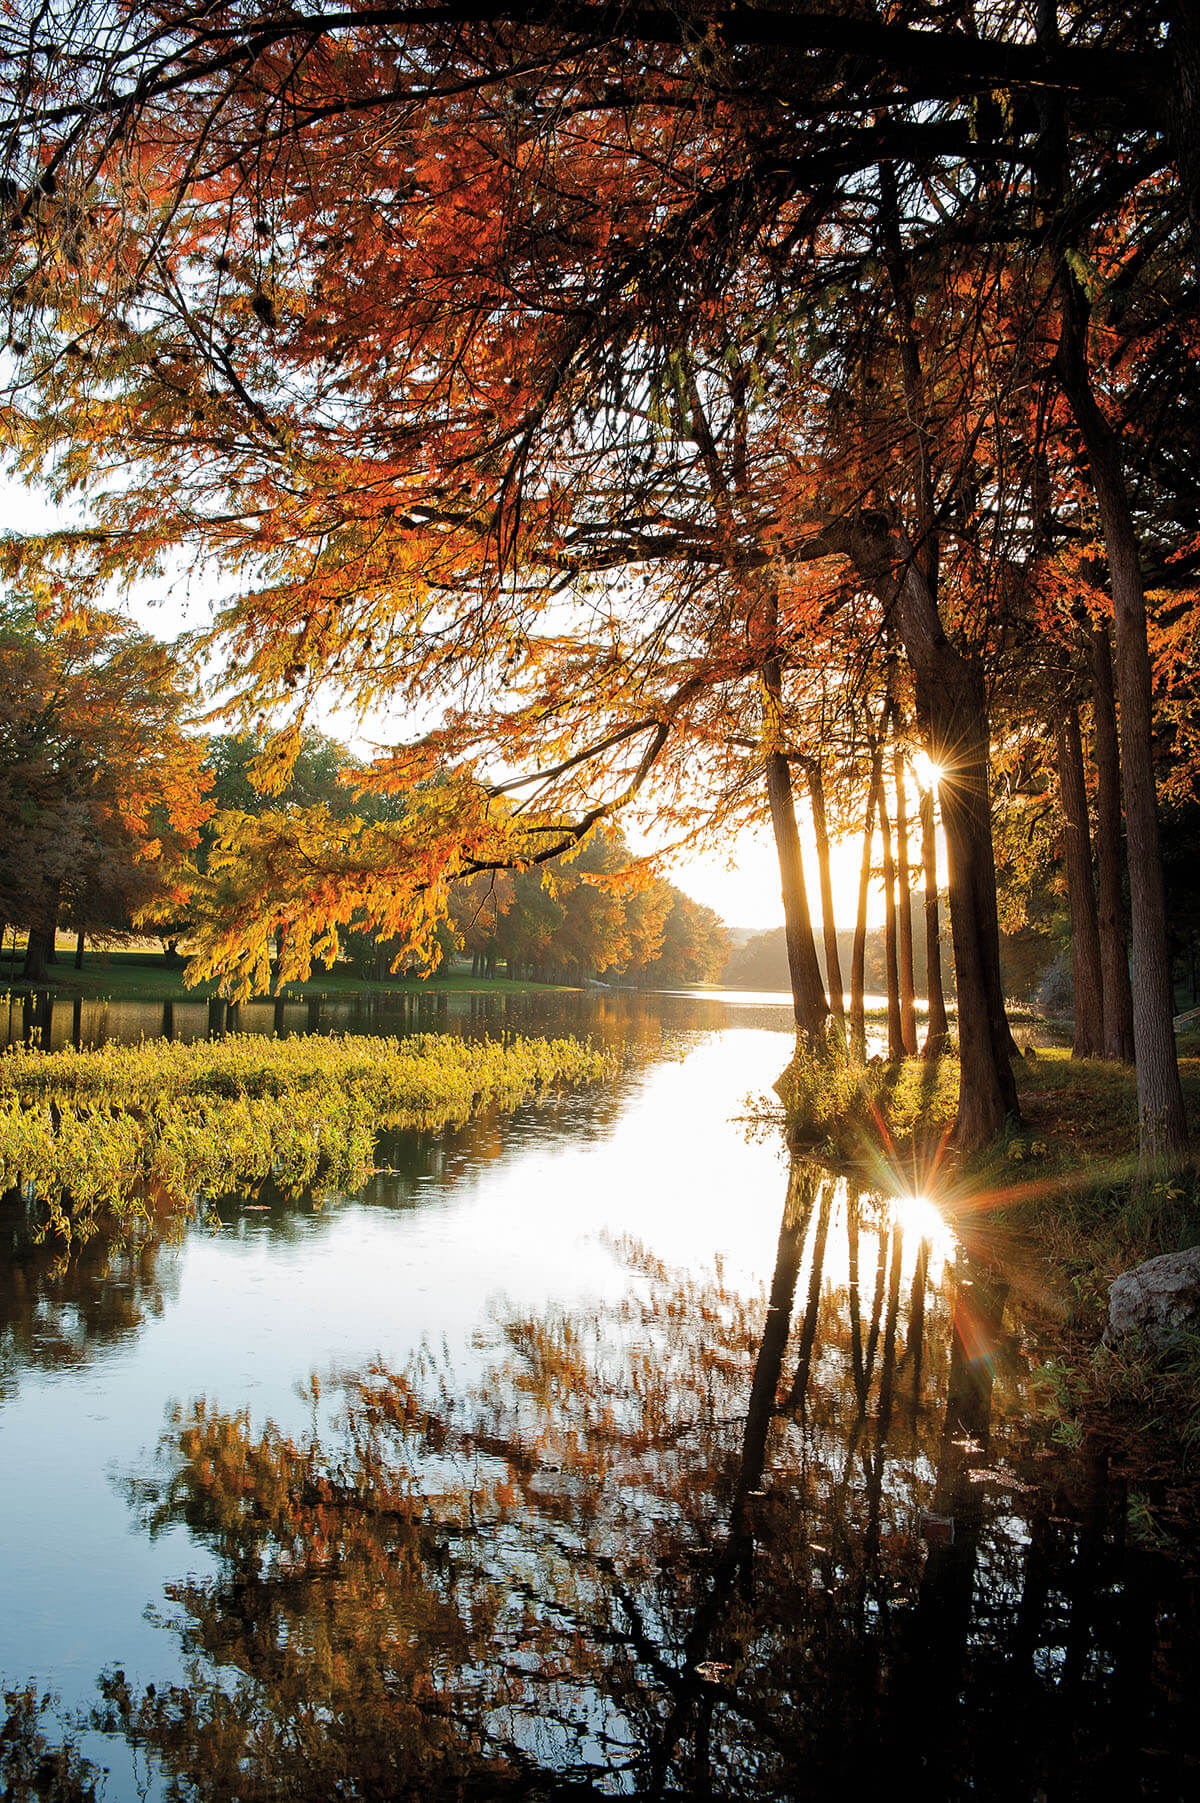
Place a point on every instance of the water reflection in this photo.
(516, 1155)
(57, 1313)
(693, 1543)
(622, 1017)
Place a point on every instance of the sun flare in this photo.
(928, 774)
(921, 1218)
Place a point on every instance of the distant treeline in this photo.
(91, 725)
(761, 962)
(587, 916)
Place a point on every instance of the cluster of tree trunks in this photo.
(813, 1008)
(1162, 1121)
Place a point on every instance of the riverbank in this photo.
(1078, 1116)
(1091, 1218)
(602, 1348)
(144, 976)
(1057, 1205)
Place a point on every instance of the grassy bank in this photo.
(144, 976)
(1078, 1116)
(1089, 1217)
(1057, 1205)
(121, 1133)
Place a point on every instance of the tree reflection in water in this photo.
(58, 1310)
(665, 1550)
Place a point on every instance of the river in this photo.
(641, 1460)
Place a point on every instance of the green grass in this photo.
(144, 976)
(850, 1109)
(1089, 1216)
(1094, 1214)
(118, 1134)
(1078, 1116)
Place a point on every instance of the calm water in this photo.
(642, 1462)
(614, 1016)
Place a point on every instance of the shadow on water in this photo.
(689, 1544)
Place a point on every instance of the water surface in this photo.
(643, 1462)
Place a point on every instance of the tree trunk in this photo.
(79, 941)
(796, 1396)
(37, 953)
(858, 956)
(1162, 1123)
(733, 1559)
(808, 991)
(937, 1655)
(937, 1029)
(952, 711)
(1081, 896)
(762, 1408)
(833, 968)
(908, 1012)
(1116, 995)
(951, 695)
(895, 1035)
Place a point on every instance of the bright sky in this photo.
(742, 886)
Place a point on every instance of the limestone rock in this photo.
(1160, 1300)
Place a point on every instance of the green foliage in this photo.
(101, 793)
(122, 1133)
(233, 759)
(1130, 1391)
(855, 1107)
(590, 913)
(1090, 1218)
(1065, 1183)
(1052, 1386)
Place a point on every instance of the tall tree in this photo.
(390, 308)
(904, 936)
(1161, 1116)
(101, 790)
(1112, 924)
(1081, 893)
(937, 1028)
(816, 792)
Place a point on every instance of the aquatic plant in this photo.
(127, 1132)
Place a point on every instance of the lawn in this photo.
(145, 976)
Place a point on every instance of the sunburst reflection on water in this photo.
(646, 1462)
